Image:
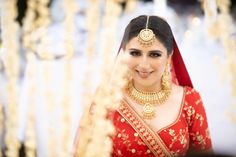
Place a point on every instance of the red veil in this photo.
(179, 72)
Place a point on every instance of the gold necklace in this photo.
(148, 99)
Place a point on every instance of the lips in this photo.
(143, 74)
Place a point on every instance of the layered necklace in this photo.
(148, 99)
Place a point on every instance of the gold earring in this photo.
(166, 78)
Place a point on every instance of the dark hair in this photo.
(160, 28)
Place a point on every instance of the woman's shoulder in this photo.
(191, 92)
(192, 98)
(186, 90)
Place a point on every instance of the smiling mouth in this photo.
(143, 74)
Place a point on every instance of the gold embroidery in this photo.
(138, 126)
(183, 140)
(176, 154)
(140, 142)
(142, 130)
(190, 111)
(207, 133)
(145, 134)
(122, 120)
(136, 134)
(151, 139)
(119, 152)
(200, 117)
(162, 155)
(199, 139)
(181, 137)
(132, 118)
(198, 101)
(193, 90)
(171, 132)
(159, 151)
(133, 150)
(188, 92)
(152, 142)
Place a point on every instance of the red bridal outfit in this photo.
(189, 131)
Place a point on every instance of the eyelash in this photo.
(137, 53)
(154, 55)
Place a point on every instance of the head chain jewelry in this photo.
(146, 36)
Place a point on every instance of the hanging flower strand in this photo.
(10, 48)
(227, 29)
(34, 41)
(222, 28)
(92, 22)
(70, 10)
(43, 22)
(104, 97)
(29, 44)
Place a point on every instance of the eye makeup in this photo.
(137, 52)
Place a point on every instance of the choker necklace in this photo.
(148, 99)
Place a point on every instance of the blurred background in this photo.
(47, 66)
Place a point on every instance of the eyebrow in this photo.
(134, 49)
(152, 51)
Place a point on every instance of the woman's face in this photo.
(147, 63)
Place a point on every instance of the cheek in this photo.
(132, 63)
(158, 66)
(162, 69)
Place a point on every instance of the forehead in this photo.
(157, 45)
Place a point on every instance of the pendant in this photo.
(148, 111)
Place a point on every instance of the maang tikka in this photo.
(146, 36)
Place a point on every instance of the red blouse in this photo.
(190, 130)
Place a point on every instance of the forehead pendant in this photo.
(146, 36)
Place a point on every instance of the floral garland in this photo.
(29, 44)
(111, 92)
(108, 94)
(222, 28)
(130, 6)
(210, 10)
(229, 44)
(30, 135)
(70, 10)
(92, 23)
(34, 41)
(10, 50)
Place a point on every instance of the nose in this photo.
(144, 63)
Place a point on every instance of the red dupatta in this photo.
(178, 68)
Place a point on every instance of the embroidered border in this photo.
(151, 139)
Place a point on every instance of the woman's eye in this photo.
(154, 54)
(135, 53)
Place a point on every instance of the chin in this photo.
(144, 83)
